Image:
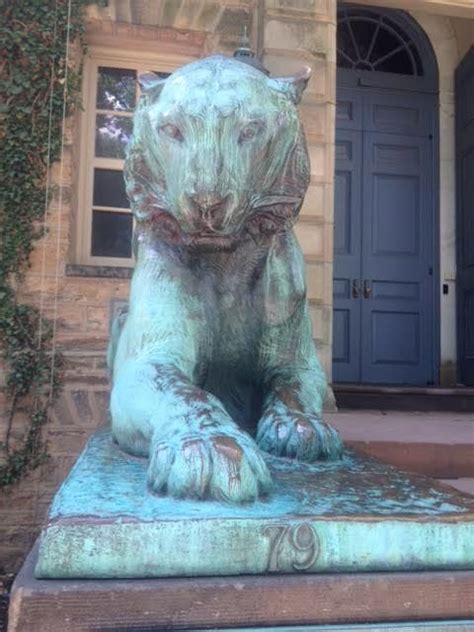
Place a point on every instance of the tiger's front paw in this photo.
(221, 463)
(286, 432)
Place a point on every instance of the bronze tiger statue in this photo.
(216, 347)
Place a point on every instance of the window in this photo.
(105, 223)
(367, 40)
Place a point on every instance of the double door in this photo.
(384, 271)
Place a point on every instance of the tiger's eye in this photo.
(172, 131)
(249, 132)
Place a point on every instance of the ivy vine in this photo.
(38, 91)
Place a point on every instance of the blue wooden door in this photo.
(384, 240)
(465, 215)
(347, 241)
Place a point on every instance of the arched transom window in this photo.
(367, 40)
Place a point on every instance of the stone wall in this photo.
(289, 33)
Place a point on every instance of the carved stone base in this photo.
(355, 515)
(368, 602)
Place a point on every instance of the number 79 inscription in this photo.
(297, 544)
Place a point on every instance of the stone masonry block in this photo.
(61, 171)
(232, 20)
(97, 319)
(315, 276)
(83, 411)
(314, 204)
(301, 8)
(319, 86)
(11, 558)
(101, 403)
(317, 156)
(43, 257)
(66, 407)
(188, 12)
(209, 16)
(331, 42)
(328, 241)
(314, 119)
(310, 237)
(325, 357)
(170, 8)
(70, 318)
(321, 317)
(291, 35)
(65, 443)
(282, 63)
(328, 283)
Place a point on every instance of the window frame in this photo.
(100, 57)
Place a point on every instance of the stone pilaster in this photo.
(298, 33)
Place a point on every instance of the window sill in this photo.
(104, 272)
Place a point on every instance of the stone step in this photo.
(436, 444)
(410, 398)
(261, 602)
(465, 485)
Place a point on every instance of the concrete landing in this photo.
(465, 485)
(436, 444)
(354, 515)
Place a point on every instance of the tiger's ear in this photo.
(149, 81)
(292, 86)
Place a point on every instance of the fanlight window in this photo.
(369, 41)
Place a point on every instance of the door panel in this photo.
(395, 113)
(465, 215)
(397, 260)
(347, 249)
(349, 112)
(394, 312)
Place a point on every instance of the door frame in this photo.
(462, 68)
(370, 80)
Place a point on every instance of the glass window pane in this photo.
(385, 43)
(111, 234)
(116, 89)
(364, 31)
(342, 61)
(112, 134)
(344, 41)
(400, 63)
(109, 188)
(368, 41)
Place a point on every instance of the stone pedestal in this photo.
(355, 515)
(372, 602)
(112, 556)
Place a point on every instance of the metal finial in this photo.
(246, 55)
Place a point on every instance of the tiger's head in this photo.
(217, 153)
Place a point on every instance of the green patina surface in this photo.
(214, 363)
(357, 514)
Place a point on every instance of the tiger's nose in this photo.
(209, 207)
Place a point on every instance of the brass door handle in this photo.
(367, 289)
(355, 288)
